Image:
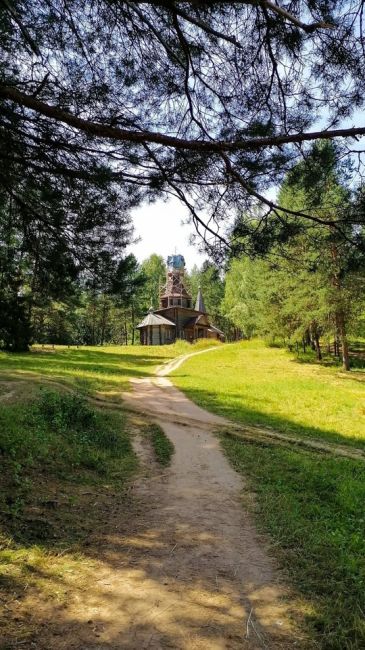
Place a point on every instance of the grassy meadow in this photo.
(61, 463)
(252, 383)
(105, 370)
(311, 505)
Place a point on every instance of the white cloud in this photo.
(161, 230)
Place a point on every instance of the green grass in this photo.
(63, 463)
(60, 437)
(162, 446)
(251, 383)
(313, 507)
(106, 370)
(65, 467)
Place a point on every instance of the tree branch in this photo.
(280, 11)
(27, 37)
(140, 137)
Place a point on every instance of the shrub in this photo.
(64, 410)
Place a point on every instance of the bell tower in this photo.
(174, 294)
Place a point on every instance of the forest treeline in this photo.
(305, 286)
(107, 106)
(309, 287)
(98, 315)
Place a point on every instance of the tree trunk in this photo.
(317, 346)
(306, 340)
(103, 324)
(341, 327)
(336, 351)
(340, 315)
(311, 339)
(133, 323)
(93, 323)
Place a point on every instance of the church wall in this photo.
(163, 335)
(156, 336)
(179, 316)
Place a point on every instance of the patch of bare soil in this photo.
(10, 391)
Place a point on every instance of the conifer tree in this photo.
(311, 284)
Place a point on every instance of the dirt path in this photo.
(169, 366)
(178, 565)
(213, 583)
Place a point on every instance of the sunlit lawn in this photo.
(312, 505)
(103, 369)
(252, 383)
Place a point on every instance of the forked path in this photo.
(217, 585)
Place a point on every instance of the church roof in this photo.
(195, 321)
(175, 293)
(213, 328)
(155, 319)
(176, 261)
(199, 305)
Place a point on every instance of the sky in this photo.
(161, 229)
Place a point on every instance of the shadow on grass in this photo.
(327, 361)
(112, 603)
(313, 506)
(236, 411)
(357, 358)
(128, 602)
(94, 368)
(356, 362)
(104, 574)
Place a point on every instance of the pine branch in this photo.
(27, 37)
(271, 6)
(106, 131)
(280, 11)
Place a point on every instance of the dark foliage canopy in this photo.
(212, 102)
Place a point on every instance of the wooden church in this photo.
(176, 317)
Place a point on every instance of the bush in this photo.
(90, 433)
(60, 434)
(63, 410)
